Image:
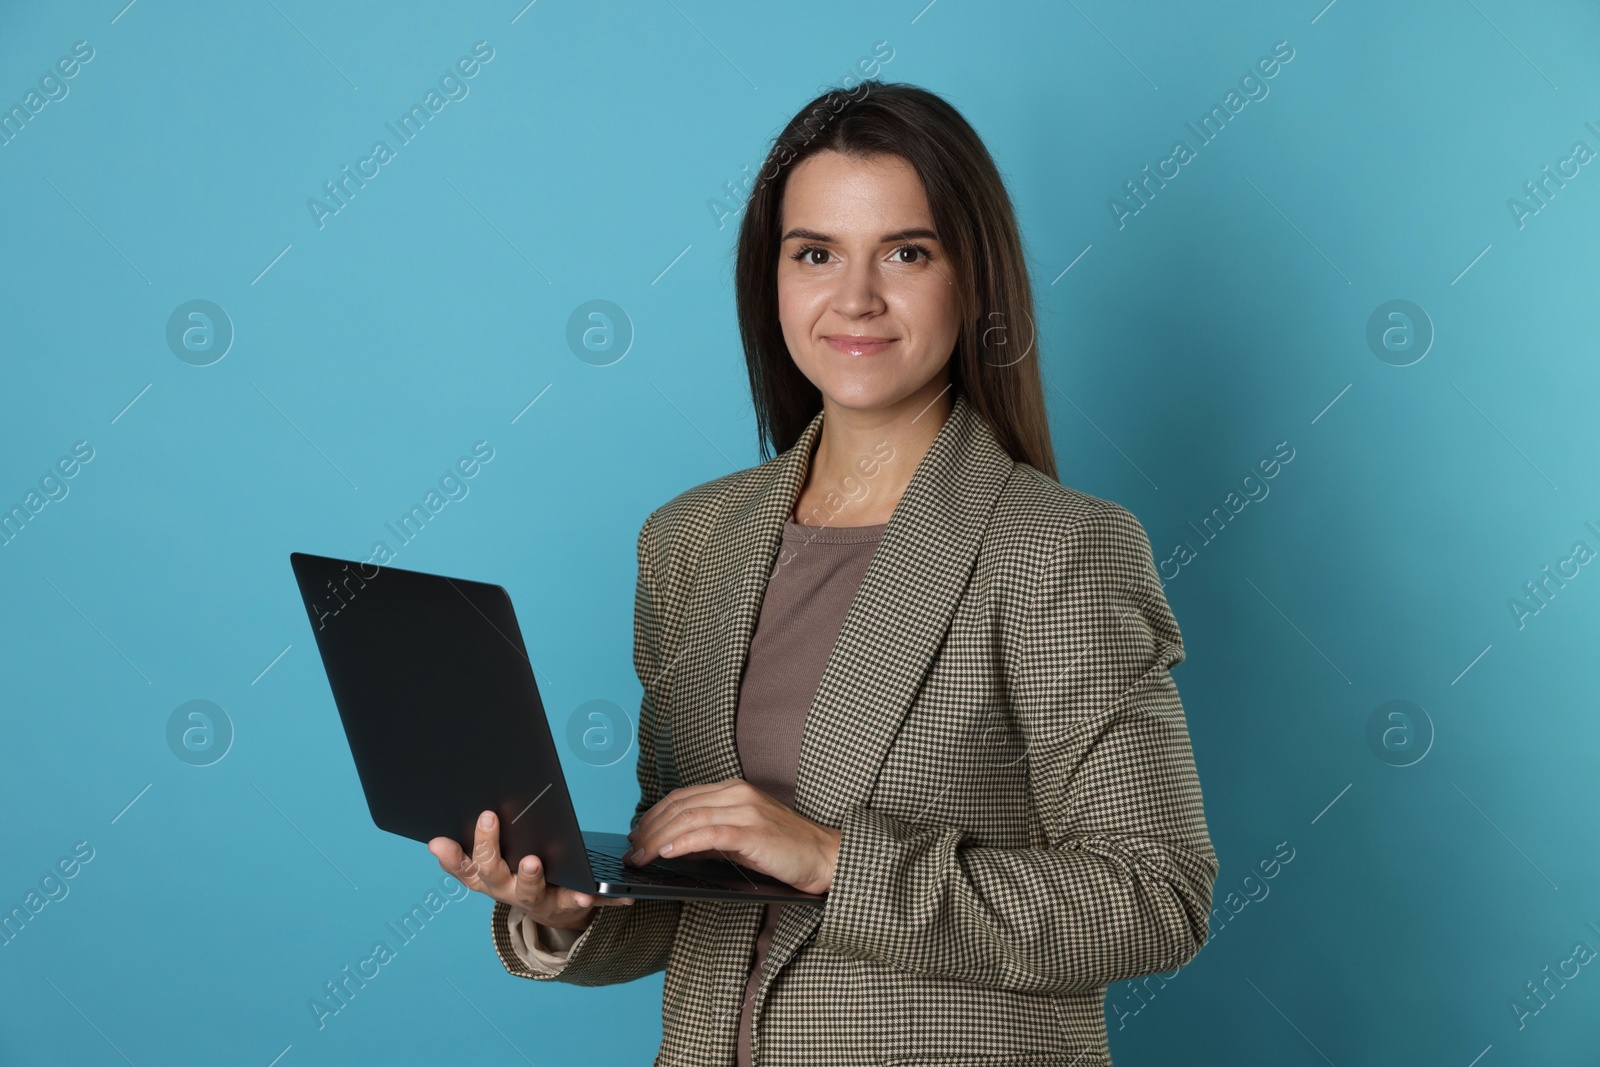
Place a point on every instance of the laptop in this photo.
(444, 720)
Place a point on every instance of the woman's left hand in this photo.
(734, 820)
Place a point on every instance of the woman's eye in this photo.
(907, 255)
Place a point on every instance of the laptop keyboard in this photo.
(608, 868)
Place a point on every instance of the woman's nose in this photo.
(860, 289)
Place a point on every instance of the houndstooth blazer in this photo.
(996, 735)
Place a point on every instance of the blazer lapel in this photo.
(729, 585)
(899, 616)
(891, 634)
(917, 575)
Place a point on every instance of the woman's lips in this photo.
(856, 346)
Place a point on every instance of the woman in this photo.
(994, 782)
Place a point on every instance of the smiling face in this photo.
(866, 294)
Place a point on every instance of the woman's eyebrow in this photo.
(899, 235)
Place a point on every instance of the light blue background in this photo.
(1227, 316)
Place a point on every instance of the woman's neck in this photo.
(863, 460)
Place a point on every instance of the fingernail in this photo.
(486, 821)
(529, 866)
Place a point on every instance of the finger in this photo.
(649, 839)
(445, 850)
(486, 862)
(532, 891)
(727, 808)
(587, 900)
(529, 888)
(702, 831)
(456, 863)
(719, 840)
(674, 812)
(726, 790)
(449, 855)
(598, 901)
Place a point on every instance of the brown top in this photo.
(813, 582)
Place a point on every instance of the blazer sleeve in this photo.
(622, 942)
(1124, 886)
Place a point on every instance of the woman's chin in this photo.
(868, 393)
(861, 399)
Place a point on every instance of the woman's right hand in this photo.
(485, 871)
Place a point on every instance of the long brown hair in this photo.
(995, 362)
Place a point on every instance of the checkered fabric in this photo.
(998, 738)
